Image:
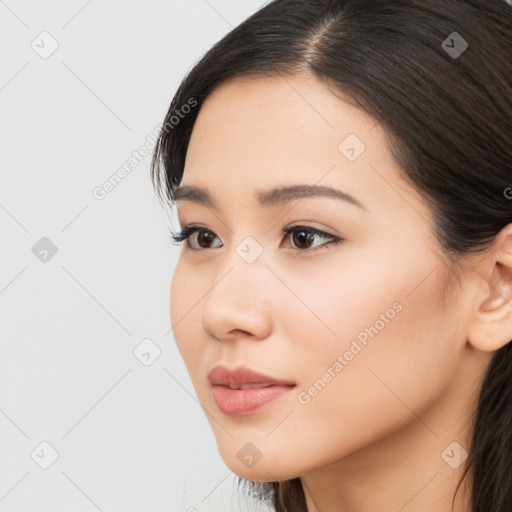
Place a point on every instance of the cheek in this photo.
(185, 306)
(394, 360)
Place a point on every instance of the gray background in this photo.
(128, 431)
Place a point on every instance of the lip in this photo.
(260, 389)
(221, 376)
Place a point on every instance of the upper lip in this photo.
(222, 376)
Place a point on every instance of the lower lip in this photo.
(240, 402)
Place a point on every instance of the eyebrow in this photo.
(271, 197)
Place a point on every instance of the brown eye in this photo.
(302, 238)
(204, 238)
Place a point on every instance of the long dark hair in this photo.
(437, 74)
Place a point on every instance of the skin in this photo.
(372, 438)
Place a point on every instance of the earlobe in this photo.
(491, 324)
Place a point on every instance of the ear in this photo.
(491, 323)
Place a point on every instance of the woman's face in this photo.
(359, 328)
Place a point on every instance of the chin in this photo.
(261, 471)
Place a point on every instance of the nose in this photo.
(239, 301)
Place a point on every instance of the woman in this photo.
(343, 301)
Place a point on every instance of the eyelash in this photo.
(188, 230)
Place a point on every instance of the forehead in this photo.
(279, 114)
(255, 133)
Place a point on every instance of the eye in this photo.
(302, 236)
(187, 231)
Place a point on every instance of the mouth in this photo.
(248, 386)
(242, 402)
(242, 376)
(242, 391)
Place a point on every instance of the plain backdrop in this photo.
(97, 411)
